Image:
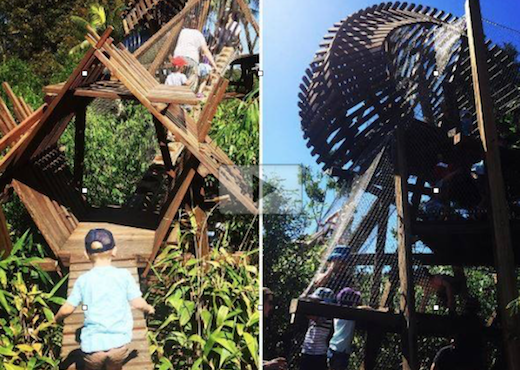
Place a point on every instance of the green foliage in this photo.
(118, 151)
(206, 311)
(318, 187)
(23, 80)
(235, 129)
(28, 298)
(100, 17)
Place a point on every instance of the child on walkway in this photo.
(316, 342)
(107, 294)
(177, 77)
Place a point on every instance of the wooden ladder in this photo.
(139, 357)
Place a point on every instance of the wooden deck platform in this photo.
(139, 357)
(131, 242)
(116, 90)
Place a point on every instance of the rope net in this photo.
(351, 104)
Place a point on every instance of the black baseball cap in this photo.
(102, 236)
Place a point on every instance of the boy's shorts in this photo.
(112, 359)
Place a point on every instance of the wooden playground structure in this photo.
(354, 102)
(35, 167)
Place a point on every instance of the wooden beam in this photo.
(5, 238)
(7, 118)
(407, 301)
(210, 109)
(19, 109)
(503, 250)
(79, 146)
(162, 138)
(15, 134)
(364, 318)
(249, 15)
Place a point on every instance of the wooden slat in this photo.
(210, 109)
(19, 109)
(6, 117)
(22, 128)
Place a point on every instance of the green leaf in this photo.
(57, 286)
(13, 367)
(4, 303)
(222, 315)
(49, 315)
(252, 346)
(8, 352)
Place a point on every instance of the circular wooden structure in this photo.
(391, 64)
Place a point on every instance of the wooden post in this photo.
(407, 301)
(503, 251)
(79, 146)
(5, 239)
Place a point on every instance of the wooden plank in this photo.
(210, 109)
(389, 322)
(23, 128)
(5, 238)
(7, 117)
(502, 247)
(39, 208)
(249, 15)
(162, 138)
(79, 146)
(407, 301)
(19, 109)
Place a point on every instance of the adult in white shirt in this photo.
(191, 44)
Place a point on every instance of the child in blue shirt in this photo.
(340, 345)
(107, 294)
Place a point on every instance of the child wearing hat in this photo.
(340, 345)
(177, 77)
(107, 295)
(316, 342)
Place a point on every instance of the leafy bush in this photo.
(118, 151)
(206, 311)
(28, 297)
(236, 129)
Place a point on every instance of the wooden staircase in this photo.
(139, 357)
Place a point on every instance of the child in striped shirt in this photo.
(316, 342)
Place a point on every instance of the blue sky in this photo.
(292, 31)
